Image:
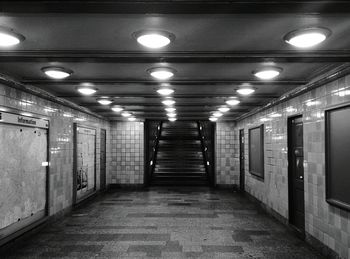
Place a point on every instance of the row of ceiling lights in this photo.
(303, 38)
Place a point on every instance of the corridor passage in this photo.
(166, 223)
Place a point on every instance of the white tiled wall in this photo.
(326, 223)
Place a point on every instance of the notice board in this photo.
(256, 151)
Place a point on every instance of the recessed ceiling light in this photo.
(171, 114)
(170, 109)
(161, 73)
(172, 119)
(213, 119)
(224, 109)
(168, 102)
(9, 38)
(232, 102)
(117, 108)
(154, 39)
(85, 89)
(245, 91)
(57, 72)
(104, 101)
(275, 115)
(126, 114)
(165, 91)
(267, 72)
(217, 114)
(132, 119)
(308, 37)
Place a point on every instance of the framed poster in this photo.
(337, 156)
(84, 162)
(256, 151)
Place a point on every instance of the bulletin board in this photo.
(85, 162)
(337, 157)
(256, 151)
(23, 171)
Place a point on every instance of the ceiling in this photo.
(217, 46)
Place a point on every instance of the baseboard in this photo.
(227, 186)
(313, 242)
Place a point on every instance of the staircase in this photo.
(179, 156)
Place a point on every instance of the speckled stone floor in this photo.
(166, 223)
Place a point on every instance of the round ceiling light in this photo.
(165, 91)
(308, 37)
(224, 109)
(168, 102)
(154, 39)
(170, 109)
(245, 91)
(104, 101)
(126, 114)
(131, 118)
(232, 102)
(161, 73)
(86, 89)
(9, 38)
(57, 72)
(171, 114)
(217, 114)
(267, 72)
(172, 119)
(213, 119)
(117, 108)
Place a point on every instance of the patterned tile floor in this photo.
(166, 223)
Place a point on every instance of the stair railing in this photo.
(204, 149)
(153, 159)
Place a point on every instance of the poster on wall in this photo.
(85, 160)
(23, 171)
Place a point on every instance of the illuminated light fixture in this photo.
(267, 72)
(170, 109)
(171, 114)
(168, 102)
(27, 114)
(217, 114)
(161, 73)
(126, 114)
(79, 119)
(172, 119)
(9, 37)
(117, 108)
(224, 109)
(132, 119)
(57, 72)
(275, 115)
(213, 119)
(233, 102)
(308, 37)
(311, 103)
(48, 109)
(264, 119)
(87, 89)
(165, 91)
(245, 91)
(154, 39)
(67, 115)
(104, 101)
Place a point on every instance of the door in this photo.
(296, 173)
(103, 160)
(241, 160)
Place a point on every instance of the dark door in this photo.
(103, 160)
(296, 173)
(241, 160)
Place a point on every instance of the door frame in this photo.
(241, 167)
(300, 232)
(103, 187)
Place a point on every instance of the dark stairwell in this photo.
(179, 155)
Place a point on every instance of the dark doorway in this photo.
(241, 160)
(296, 173)
(103, 160)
